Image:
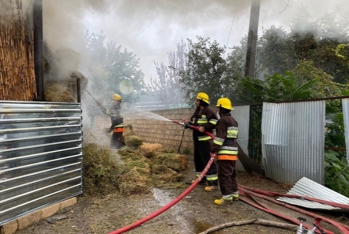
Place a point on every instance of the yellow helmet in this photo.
(116, 97)
(224, 103)
(203, 96)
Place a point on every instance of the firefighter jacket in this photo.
(224, 143)
(206, 118)
(116, 118)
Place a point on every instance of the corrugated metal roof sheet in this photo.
(308, 188)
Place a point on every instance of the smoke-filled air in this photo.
(150, 30)
(118, 99)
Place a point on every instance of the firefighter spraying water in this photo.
(117, 122)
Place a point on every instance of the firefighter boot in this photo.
(202, 181)
(212, 185)
(227, 199)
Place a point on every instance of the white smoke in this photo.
(152, 28)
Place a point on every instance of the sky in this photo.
(152, 28)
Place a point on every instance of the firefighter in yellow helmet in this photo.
(206, 119)
(117, 122)
(226, 149)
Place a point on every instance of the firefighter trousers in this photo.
(116, 141)
(202, 156)
(227, 176)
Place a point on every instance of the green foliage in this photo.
(109, 66)
(186, 151)
(276, 51)
(274, 88)
(206, 71)
(342, 51)
(323, 41)
(335, 131)
(336, 173)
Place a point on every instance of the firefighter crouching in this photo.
(117, 122)
(206, 119)
(226, 149)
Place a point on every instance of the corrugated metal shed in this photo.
(308, 188)
(293, 141)
(40, 155)
(345, 104)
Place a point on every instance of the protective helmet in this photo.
(224, 103)
(116, 97)
(203, 96)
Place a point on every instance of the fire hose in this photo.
(176, 200)
(252, 192)
(248, 194)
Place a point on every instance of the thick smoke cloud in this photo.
(152, 28)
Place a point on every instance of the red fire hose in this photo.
(247, 193)
(176, 200)
(250, 192)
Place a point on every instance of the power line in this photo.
(146, 28)
(232, 23)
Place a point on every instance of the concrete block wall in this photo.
(154, 127)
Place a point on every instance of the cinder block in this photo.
(49, 211)
(67, 203)
(29, 219)
(9, 228)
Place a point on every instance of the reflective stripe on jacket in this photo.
(206, 118)
(224, 143)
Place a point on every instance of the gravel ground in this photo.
(193, 214)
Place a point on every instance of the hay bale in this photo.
(125, 151)
(134, 182)
(57, 92)
(149, 150)
(166, 177)
(131, 155)
(100, 171)
(128, 131)
(177, 162)
(140, 165)
(133, 141)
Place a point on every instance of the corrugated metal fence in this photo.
(40, 155)
(293, 139)
(242, 116)
(345, 105)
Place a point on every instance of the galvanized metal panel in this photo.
(345, 105)
(308, 188)
(242, 115)
(40, 155)
(293, 141)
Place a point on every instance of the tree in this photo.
(109, 66)
(167, 88)
(206, 70)
(309, 40)
(275, 88)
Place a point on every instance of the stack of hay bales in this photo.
(144, 166)
(61, 75)
(149, 165)
(100, 170)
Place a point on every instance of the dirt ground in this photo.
(193, 214)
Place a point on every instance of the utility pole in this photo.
(38, 49)
(250, 65)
